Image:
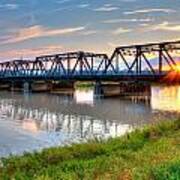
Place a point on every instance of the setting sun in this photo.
(174, 75)
(177, 68)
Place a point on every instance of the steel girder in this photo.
(134, 59)
(67, 64)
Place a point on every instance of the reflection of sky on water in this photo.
(33, 121)
(84, 97)
(166, 98)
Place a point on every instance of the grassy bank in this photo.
(84, 85)
(149, 153)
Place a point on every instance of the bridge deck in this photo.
(109, 76)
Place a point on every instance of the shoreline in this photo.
(146, 153)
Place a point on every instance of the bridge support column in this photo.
(26, 87)
(125, 89)
(110, 89)
(98, 89)
(63, 87)
(4, 86)
(12, 86)
(19, 86)
(40, 86)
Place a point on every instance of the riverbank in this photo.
(149, 153)
(84, 85)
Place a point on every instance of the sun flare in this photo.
(174, 75)
(177, 68)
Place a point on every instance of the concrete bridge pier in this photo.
(12, 86)
(111, 89)
(57, 87)
(40, 86)
(126, 89)
(26, 87)
(98, 89)
(62, 87)
(4, 86)
(19, 86)
(107, 89)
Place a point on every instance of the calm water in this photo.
(34, 121)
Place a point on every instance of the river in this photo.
(34, 121)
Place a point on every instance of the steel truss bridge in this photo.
(141, 62)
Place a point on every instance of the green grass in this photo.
(84, 85)
(152, 152)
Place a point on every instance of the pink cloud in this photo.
(30, 53)
(38, 31)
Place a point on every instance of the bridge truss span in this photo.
(127, 62)
(56, 66)
(154, 58)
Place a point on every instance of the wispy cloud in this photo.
(106, 8)
(63, 1)
(111, 21)
(90, 32)
(37, 32)
(165, 26)
(128, 0)
(143, 11)
(30, 53)
(112, 44)
(70, 7)
(121, 31)
(83, 5)
(9, 6)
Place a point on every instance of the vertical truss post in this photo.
(92, 64)
(139, 60)
(80, 59)
(68, 65)
(117, 62)
(106, 61)
(160, 58)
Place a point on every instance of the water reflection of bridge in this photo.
(78, 125)
(61, 114)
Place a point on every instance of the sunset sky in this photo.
(29, 28)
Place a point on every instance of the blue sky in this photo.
(29, 28)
